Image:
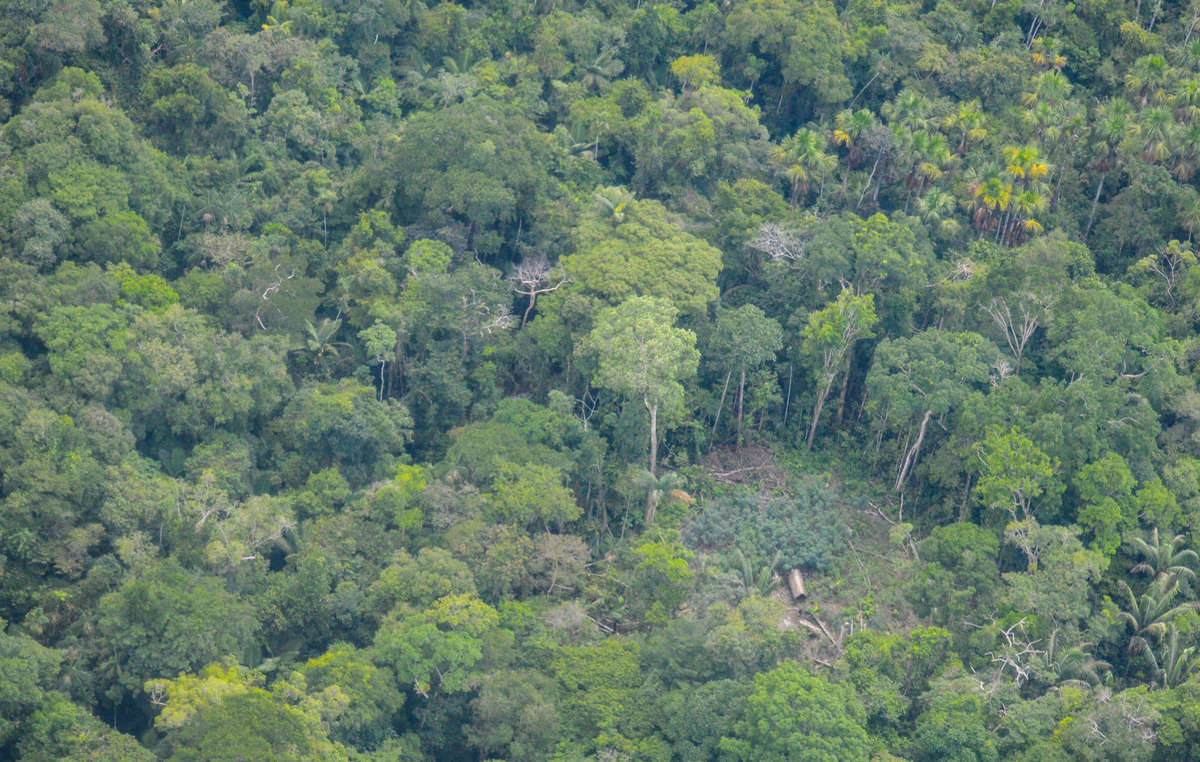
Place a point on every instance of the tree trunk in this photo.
(845, 385)
(720, 407)
(821, 397)
(963, 512)
(741, 398)
(532, 300)
(910, 458)
(1095, 202)
(875, 166)
(787, 404)
(653, 458)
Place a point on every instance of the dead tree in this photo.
(534, 276)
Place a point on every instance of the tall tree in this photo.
(743, 339)
(828, 338)
(642, 354)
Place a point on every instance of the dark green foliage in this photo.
(167, 620)
(341, 424)
(961, 575)
(62, 730)
(400, 381)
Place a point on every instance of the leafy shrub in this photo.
(805, 528)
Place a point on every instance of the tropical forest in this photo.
(599, 380)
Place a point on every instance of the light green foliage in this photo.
(523, 432)
(750, 638)
(325, 492)
(889, 671)
(397, 500)
(642, 355)
(86, 346)
(254, 723)
(369, 268)
(793, 714)
(416, 582)
(523, 494)
(695, 71)
(148, 291)
(640, 352)
(661, 579)
(372, 697)
(1179, 730)
(1013, 473)
(599, 686)
(184, 697)
(828, 338)
(436, 651)
(380, 343)
(634, 248)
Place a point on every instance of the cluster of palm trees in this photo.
(1151, 615)
(919, 144)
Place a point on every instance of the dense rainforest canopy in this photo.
(415, 380)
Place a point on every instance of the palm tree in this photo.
(1187, 152)
(1027, 203)
(927, 155)
(910, 110)
(803, 155)
(937, 208)
(1187, 100)
(1113, 126)
(992, 196)
(1176, 663)
(612, 203)
(602, 69)
(1160, 558)
(849, 127)
(1074, 664)
(1147, 81)
(1158, 127)
(760, 582)
(967, 125)
(319, 343)
(1150, 614)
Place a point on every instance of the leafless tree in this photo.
(779, 243)
(534, 276)
(1018, 321)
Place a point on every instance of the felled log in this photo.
(796, 584)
